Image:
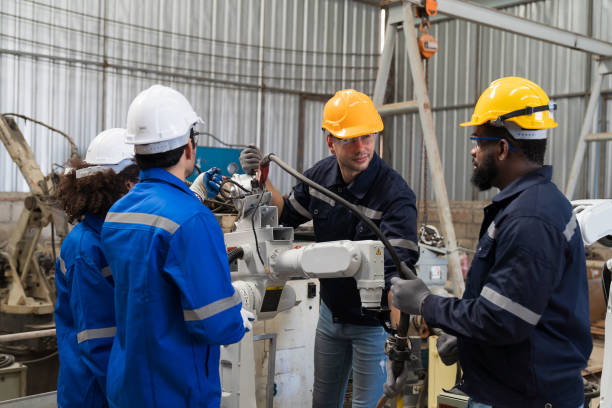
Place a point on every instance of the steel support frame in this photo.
(602, 67)
(490, 17)
(423, 105)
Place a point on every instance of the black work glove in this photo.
(250, 158)
(447, 348)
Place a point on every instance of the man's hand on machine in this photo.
(409, 295)
(250, 158)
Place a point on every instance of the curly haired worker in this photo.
(84, 313)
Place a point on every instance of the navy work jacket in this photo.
(174, 301)
(523, 324)
(84, 316)
(383, 196)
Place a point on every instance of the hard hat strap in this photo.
(529, 110)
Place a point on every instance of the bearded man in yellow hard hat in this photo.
(348, 338)
(522, 329)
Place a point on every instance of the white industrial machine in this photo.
(263, 258)
(595, 219)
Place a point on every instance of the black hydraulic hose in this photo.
(234, 254)
(350, 206)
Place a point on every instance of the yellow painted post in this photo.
(439, 375)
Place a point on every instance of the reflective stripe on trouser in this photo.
(340, 347)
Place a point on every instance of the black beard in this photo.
(485, 172)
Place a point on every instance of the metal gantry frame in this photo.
(400, 15)
(603, 67)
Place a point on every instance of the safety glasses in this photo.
(365, 139)
(478, 145)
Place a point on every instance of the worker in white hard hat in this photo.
(175, 302)
(347, 338)
(521, 330)
(84, 312)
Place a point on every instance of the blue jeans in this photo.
(340, 347)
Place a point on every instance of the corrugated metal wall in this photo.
(78, 64)
(244, 65)
(470, 57)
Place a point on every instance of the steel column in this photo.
(572, 180)
(433, 152)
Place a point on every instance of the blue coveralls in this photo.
(523, 324)
(84, 317)
(344, 333)
(174, 299)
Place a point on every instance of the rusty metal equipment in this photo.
(26, 281)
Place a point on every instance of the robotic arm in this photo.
(595, 220)
(268, 257)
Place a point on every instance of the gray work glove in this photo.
(207, 184)
(447, 348)
(394, 386)
(409, 295)
(249, 159)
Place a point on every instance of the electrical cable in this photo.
(177, 50)
(229, 180)
(6, 360)
(255, 232)
(38, 360)
(170, 33)
(221, 141)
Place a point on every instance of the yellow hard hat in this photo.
(516, 100)
(350, 113)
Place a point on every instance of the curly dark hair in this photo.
(94, 194)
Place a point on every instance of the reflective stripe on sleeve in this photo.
(570, 228)
(370, 213)
(404, 243)
(510, 306)
(298, 207)
(106, 271)
(213, 308)
(96, 334)
(321, 196)
(62, 264)
(144, 219)
(492, 231)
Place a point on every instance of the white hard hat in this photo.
(109, 147)
(159, 120)
(106, 151)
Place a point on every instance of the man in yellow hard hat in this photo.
(346, 338)
(522, 328)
